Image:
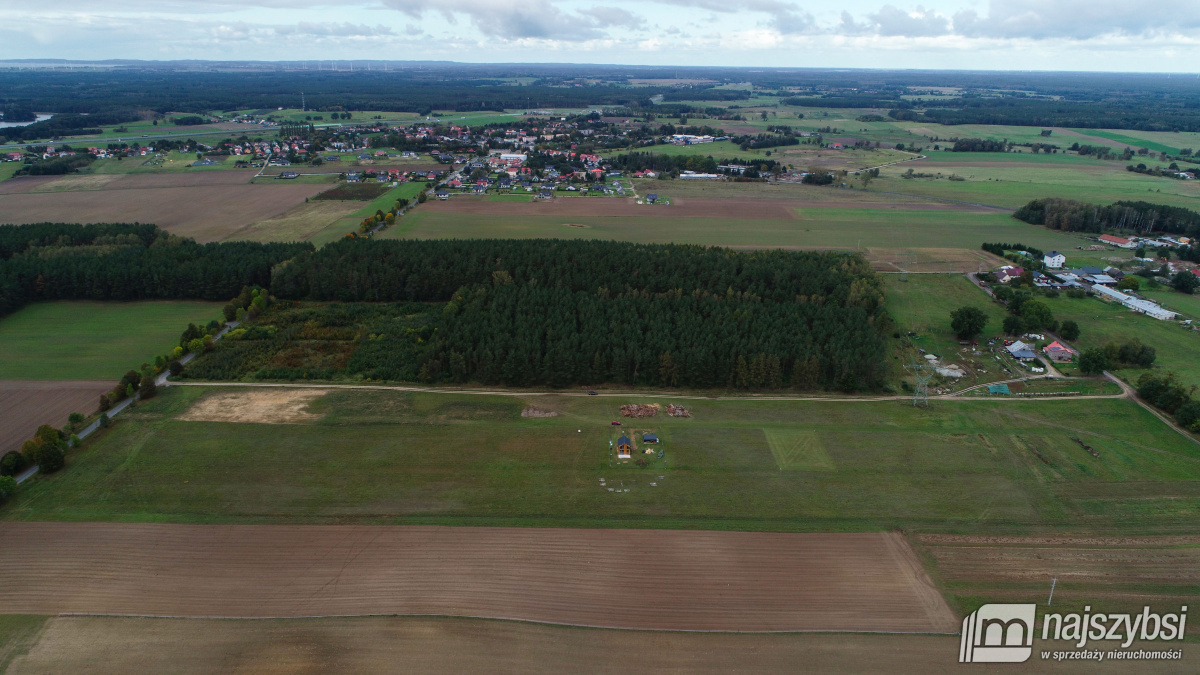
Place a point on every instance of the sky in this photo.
(1104, 35)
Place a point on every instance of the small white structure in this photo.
(1054, 260)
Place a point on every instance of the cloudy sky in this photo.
(1118, 35)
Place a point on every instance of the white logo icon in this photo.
(998, 634)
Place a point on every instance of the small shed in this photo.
(624, 447)
(649, 438)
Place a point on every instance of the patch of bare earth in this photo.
(26, 405)
(647, 579)
(259, 406)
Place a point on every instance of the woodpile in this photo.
(639, 410)
(677, 410)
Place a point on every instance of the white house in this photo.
(1054, 260)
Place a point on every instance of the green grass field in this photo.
(1172, 299)
(7, 169)
(1102, 322)
(815, 227)
(92, 340)
(924, 302)
(453, 459)
(1008, 184)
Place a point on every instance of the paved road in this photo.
(159, 381)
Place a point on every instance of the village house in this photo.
(1058, 352)
(1054, 260)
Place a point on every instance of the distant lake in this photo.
(40, 118)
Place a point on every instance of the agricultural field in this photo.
(313, 221)
(26, 405)
(867, 581)
(204, 206)
(997, 179)
(731, 222)
(442, 644)
(92, 340)
(777, 465)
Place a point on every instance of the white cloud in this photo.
(1079, 19)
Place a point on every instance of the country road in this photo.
(627, 394)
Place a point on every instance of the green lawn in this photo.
(399, 457)
(92, 340)
(816, 227)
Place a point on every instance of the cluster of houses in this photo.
(1101, 281)
(1142, 242)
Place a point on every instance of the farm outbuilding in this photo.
(649, 438)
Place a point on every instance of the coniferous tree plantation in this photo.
(558, 313)
(59, 261)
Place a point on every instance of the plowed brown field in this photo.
(649, 579)
(208, 206)
(24, 406)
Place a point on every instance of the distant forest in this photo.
(118, 92)
(549, 312)
(58, 261)
(1138, 217)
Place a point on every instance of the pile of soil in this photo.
(677, 410)
(639, 410)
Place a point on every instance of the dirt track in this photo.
(26, 405)
(677, 580)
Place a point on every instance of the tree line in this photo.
(59, 261)
(1140, 217)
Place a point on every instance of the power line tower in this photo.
(923, 373)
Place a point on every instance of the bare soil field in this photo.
(931, 260)
(208, 206)
(449, 645)
(647, 579)
(26, 405)
(262, 406)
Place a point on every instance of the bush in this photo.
(968, 322)
(12, 463)
(1069, 330)
(1013, 325)
(8, 487)
(175, 368)
(1129, 283)
(50, 458)
(104, 421)
(1093, 362)
(229, 312)
(1188, 415)
(1185, 282)
(148, 389)
(1164, 391)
